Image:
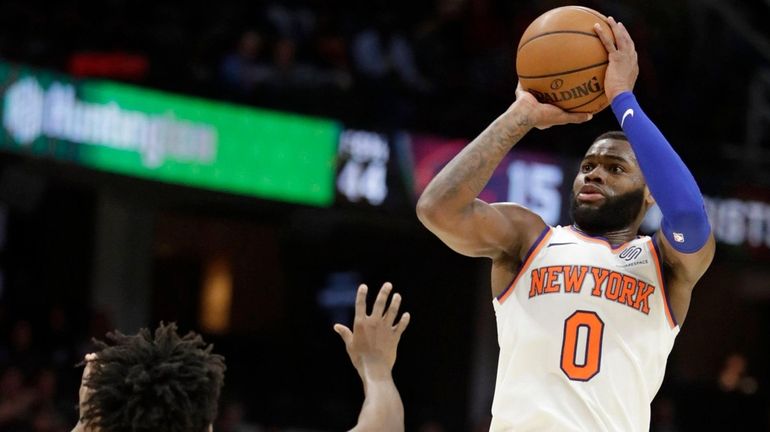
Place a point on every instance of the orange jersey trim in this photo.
(615, 249)
(534, 250)
(662, 283)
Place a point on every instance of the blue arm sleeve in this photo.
(685, 223)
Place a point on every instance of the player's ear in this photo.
(649, 200)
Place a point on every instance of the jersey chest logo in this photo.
(632, 256)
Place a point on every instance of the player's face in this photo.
(609, 191)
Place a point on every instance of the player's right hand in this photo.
(543, 116)
(623, 68)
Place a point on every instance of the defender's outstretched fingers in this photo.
(345, 333)
(361, 302)
(382, 298)
(392, 311)
(402, 323)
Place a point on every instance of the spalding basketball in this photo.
(561, 60)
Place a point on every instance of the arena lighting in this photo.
(216, 296)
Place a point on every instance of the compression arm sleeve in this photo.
(685, 223)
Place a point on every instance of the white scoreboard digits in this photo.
(363, 166)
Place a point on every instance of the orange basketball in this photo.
(561, 60)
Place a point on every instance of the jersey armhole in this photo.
(661, 278)
(531, 253)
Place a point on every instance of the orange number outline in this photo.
(593, 356)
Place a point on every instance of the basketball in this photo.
(561, 60)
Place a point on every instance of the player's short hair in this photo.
(616, 135)
(154, 382)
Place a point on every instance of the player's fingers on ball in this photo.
(617, 32)
(395, 303)
(626, 36)
(623, 38)
(519, 88)
(403, 323)
(609, 45)
(361, 301)
(382, 299)
(576, 117)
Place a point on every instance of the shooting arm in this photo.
(449, 206)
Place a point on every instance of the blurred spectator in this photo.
(16, 400)
(60, 341)
(740, 404)
(22, 351)
(291, 73)
(383, 56)
(48, 419)
(440, 46)
(232, 419)
(734, 377)
(245, 68)
(733, 400)
(663, 416)
(291, 19)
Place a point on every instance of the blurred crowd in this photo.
(38, 378)
(441, 65)
(444, 66)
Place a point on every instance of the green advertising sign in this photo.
(170, 138)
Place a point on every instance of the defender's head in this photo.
(151, 382)
(609, 192)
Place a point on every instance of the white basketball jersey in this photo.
(584, 332)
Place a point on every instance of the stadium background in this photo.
(342, 110)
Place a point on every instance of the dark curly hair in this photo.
(161, 382)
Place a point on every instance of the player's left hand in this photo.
(372, 343)
(623, 68)
(543, 115)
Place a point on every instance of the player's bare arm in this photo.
(449, 206)
(372, 346)
(690, 253)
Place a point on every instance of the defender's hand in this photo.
(372, 343)
(624, 67)
(540, 115)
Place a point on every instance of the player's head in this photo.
(151, 382)
(609, 192)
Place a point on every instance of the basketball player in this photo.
(164, 382)
(150, 382)
(586, 314)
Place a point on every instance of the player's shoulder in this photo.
(527, 225)
(518, 212)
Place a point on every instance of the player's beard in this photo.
(614, 214)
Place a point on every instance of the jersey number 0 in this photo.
(584, 365)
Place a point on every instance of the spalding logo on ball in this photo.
(561, 60)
